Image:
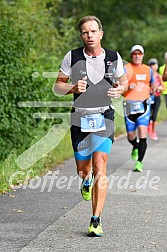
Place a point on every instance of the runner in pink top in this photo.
(153, 63)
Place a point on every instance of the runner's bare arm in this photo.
(164, 76)
(153, 88)
(61, 84)
(123, 82)
(119, 87)
(63, 87)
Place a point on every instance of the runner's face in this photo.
(91, 35)
(154, 67)
(137, 57)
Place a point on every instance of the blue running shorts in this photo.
(133, 121)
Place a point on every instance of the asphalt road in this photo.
(50, 215)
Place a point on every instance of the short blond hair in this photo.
(90, 18)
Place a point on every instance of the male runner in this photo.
(137, 105)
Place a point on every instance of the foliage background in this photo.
(35, 35)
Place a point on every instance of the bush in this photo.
(23, 50)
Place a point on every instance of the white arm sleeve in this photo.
(66, 64)
(120, 69)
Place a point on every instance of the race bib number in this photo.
(137, 107)
(93, 122)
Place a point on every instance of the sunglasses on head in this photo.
(137, 53)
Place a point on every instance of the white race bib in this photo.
(137, 107)
(93, 122)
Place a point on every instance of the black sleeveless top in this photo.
(96, 94)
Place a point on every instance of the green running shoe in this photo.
(95, 228)
(138, 166)
(134, 154)
(86, 189)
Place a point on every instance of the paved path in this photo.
(134, 217)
